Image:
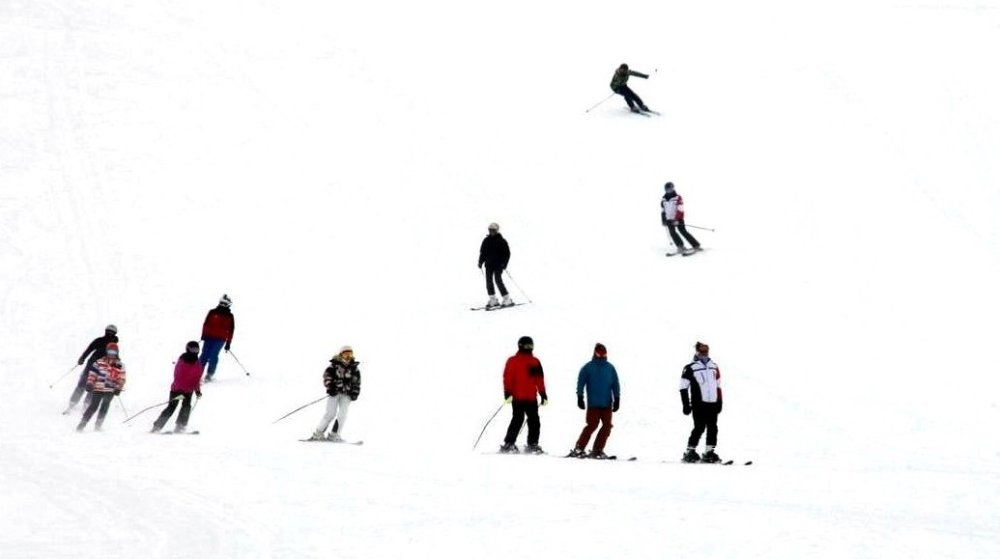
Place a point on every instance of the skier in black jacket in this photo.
(96, 351)
(494, 253)
(619, 84)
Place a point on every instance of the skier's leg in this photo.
(498, 278)
(534, 424)
(593, 417)
(672, 229)
(166, 413)
(690, 238)
(605, 432)
(699, 426)
(88, 412)
(212, 348)
(636, 99)
(516, 421)
(81, 386)
(344, 404)
(331, 412)
(182, 418)
(629, 96)
(489, 283)
(104, 399)
(712, 424)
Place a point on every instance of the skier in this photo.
(105, 380)
(187, 381)
(96, 351)
(600, 379)
(494, 252)
(523, 381)
(701, 377)
(342, 380)
(672, 216)
(619, 84)
(217, 333)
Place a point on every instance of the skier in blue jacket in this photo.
(600, 379)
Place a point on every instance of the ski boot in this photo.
(635, 109)
(691, 456)
(179, 429)
(507, 302)
(710, 457)
(577, 453)
(334, 437)
(317, 437)
(597, 455)
(509, 448)
(533, 449)
(492, 303)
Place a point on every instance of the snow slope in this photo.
(333, 168)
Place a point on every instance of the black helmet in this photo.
(668, 187)
(525, 343)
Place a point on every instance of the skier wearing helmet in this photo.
(494, 253)
(619, 84)
(217, 333)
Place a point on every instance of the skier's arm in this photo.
(685, 402)
(638, 74)
(482, 253)
(90, 349)
(204, 325)
(356, 385)
(505, 256)
(232, 330)
(539, 376)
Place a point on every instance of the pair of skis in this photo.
(355, 443)
(495, 308)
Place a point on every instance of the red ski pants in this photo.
(595, 415)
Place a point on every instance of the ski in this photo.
(651, 112)
(689, 252)
(609, 457)
(724, 463)
(353, 443)
(178, 432)
(497, 308)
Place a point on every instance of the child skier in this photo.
(187, 381)
(105, 380)
(600, 379)
(701, 377)
(342, 380)
(523, 382)
(96, 351)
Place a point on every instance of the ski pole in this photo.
(230, 352)
(702, 228)
(300, 408)
(488, 421)
(179, 397)
(122, 404)
(62, 376)
(514, 281)
(599, 103)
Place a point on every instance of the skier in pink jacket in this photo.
(187, 382)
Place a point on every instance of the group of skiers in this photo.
(598, 391)
(103, 374)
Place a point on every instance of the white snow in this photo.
(333, 167)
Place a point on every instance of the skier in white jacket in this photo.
(701, 378)
(672, 217)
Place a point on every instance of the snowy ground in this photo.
(333, 168)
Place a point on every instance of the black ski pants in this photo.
(182, 418)
(524, 408)
(495, 275)
(630, 97)
(99, 402)
(706, 417)
(677, 225)
(81, 386)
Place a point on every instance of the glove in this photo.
(80, 362)
(720, 406)
(228, 345)
(197, 393)
(117, 392)
(617, 404)
(664, 220)
(545, 399)
(507, 398)
(687, 410)
(354, 397)
(579, 403)
(480, 265)
(89, 389)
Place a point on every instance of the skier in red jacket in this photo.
(217, 333)
(523, 382)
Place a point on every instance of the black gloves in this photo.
(579, 402)
(545, 399)
(687, 409)
(117, 392)
(80, 362)
(617, 404)
(720, 406)
(685, 402)
(506, 395)
(198, 393)
(229, 345)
